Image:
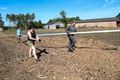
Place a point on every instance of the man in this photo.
(19, 34)
(71, 37)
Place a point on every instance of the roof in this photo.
(98, 20)
(51, 23)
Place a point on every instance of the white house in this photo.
(55, 25)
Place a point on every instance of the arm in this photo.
(38, 39)
(67, 30)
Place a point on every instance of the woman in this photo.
(31, 35)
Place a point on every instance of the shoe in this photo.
(67, 46)
(73, 48)
(37, 60)
(70, 50)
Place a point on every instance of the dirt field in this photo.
(97, 57)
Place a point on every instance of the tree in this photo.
(20, 20)
(69, 20)
(32, 17)
(50, 21)
(8, 18)
(38, 24)
(1, 22)
(63, 15)
(77, 18)
(118, 16)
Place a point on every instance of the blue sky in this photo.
(47, 9)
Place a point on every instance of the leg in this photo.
(34, 52)
(73, 42)
(19, 38)
(30, 52)
(70, 44)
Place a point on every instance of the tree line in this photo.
(23, 20)
(1, 22)
(64, 19)
(118, 16)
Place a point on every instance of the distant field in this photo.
(43, 31)
(112, 38)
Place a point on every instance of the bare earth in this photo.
(97, 57)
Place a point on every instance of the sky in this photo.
(49, 9)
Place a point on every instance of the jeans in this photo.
(71, 42)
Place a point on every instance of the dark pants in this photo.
(19, 38)
(71, 42)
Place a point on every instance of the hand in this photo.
(68, 33)
(38, 39)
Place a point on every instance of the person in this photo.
(31, 38)
(71, 37)
(19, 34)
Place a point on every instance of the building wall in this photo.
(59, 23)
(98, 24)
(53, 26)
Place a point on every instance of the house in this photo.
(54, 25)
(100, 22)
(70, 23)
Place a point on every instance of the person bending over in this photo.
(31, 35)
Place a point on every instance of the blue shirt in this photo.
(70, 29)
(18, 32)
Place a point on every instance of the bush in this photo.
(8, 28)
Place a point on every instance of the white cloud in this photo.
(3, 8)
(109, 2)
